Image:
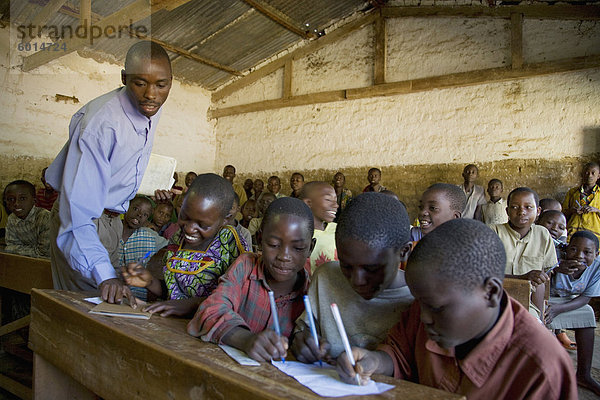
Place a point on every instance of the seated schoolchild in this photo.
(494, 211)
(550, 204)
(242, 232)
(296, 183)
(556, 223)
(27, 226)
(372, 238)
(582, 203)
(575, 282)
(248, 212)
(46, 195)
(374, 179)
(137, 240)
(237, 313)
(256, 222)
(441, 202)
(248, 184)
(321, 198)
(161, 218)
(257, 189)
(198, 254)
(463, 333)
(529, 247)
(178, 199)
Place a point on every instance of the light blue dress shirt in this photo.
(100, 167)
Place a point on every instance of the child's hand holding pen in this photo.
(305, 349)
(136, 273)
(367, 363)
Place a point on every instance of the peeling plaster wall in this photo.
(544, 122)
(35, 126)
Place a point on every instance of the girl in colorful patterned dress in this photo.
(199, 253)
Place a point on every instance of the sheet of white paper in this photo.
(94, 300)
(158, 175)
(238, 355)
(325, 381)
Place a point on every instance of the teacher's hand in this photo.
(163, 195)
(113, 291)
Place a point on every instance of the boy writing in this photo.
(237, 313)
(372, 238)
(321, 198)
(494, 211)
(529, 247)
(27, 226)
(463, 333)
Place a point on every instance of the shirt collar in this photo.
(482, 360)
(140, 122)
(517, 236)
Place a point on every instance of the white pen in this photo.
(311, 322)
(338, 321)
(275, 317)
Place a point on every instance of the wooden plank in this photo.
(50, 383)
(44, 15)
(287, 79)
(519, 289)
(22, 273)
(563, 12)
(516, 40)
(15, 325)
(460, 79)
(119, 358)
(16, 388)
(379, 67)
(280, 18)
(299, 53)
(301, 100)
(85, 12)
(132, 13)
(187, 54)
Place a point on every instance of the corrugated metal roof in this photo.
(228, 32)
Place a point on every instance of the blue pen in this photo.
(275, 317)
(311, 323)
(144, 260)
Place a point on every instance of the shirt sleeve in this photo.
(218, 315)
(592, 288)
(84, 190)
(43, 233)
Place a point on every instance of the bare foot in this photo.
(589, 383)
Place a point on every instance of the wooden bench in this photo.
(21, 274)
(78, 354)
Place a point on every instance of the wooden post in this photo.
(287, 79)
(85, 13)
(516, 40)
(380, 51)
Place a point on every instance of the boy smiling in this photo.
(464, 334)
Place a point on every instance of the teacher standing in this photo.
(99, 170)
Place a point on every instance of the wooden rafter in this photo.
(131, 13)
(44, 15)
(75, 13)
(282, 19)
(187, 54)
(380, 51)
(516, 40)
(85, 12)
(299, 53)
(460, 79)
(565, 12)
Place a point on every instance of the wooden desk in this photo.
(119, 358)
(21, 274)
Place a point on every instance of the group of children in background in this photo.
(422, 303)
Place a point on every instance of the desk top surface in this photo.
(122, 357)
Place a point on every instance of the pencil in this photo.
(275, 317)
(311, 323)
(340, 325)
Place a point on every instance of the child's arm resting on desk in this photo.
(367, 364)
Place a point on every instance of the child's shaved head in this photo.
(464, 252)
(376, 219)
(453, 193)
(290, 206)
(214, 187)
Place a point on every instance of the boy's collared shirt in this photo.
(518, 358)
(494, 213)
(241, 299)
(475, 198)
(535, 251)
(141, 241)
(100, 167)
(325, 249)
(43, 202)
(29, 236)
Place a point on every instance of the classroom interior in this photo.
(417, 88)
